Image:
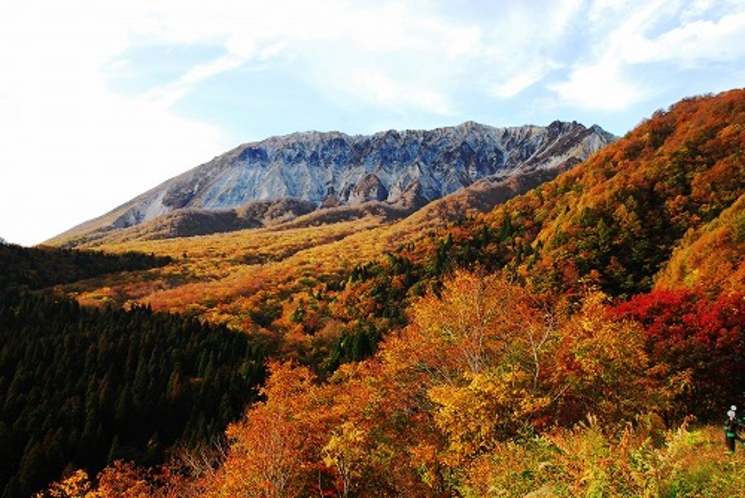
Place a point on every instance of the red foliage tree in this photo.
(689, 333)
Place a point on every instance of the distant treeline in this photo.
(40, 267)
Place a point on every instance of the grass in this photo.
(641, 461)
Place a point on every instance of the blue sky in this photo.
(100, 101)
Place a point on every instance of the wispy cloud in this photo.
(167, 95)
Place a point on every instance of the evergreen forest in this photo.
(82, 387)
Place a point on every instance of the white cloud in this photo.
(406, 48)
(601, 86)
(526, 44)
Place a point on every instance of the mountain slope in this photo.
(710, 257)
(402, 171)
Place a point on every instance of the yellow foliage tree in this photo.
(480, 351)
(78, 484)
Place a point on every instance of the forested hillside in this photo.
(661, 208)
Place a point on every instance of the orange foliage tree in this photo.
(271, 449)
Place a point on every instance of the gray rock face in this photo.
(334, 169)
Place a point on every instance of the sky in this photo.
(101, 101)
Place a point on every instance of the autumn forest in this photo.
(585, 338)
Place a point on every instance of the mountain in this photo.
(391, 173)
(501, 365)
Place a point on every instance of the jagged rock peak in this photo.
(336, 169)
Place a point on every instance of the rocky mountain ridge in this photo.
(403, 170)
